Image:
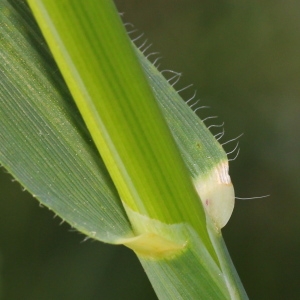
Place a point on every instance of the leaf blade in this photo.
(59, 141)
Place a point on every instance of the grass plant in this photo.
(95, 132)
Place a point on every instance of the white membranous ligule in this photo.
(217, 194)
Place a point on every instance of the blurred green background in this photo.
(243, 59)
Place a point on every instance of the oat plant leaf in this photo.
(46, 145)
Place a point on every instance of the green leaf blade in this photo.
(46, 145)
